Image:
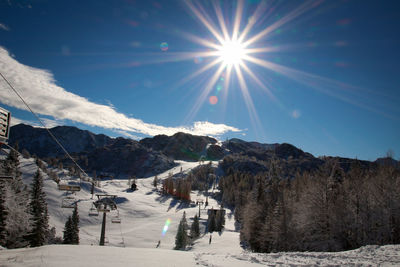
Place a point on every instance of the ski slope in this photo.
(95, 256)
(143, 215)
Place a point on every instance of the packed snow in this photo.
(143, 214)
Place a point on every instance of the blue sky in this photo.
(327, 84)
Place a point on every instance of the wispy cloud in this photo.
(45, 97)
(4, 27)
(15, 121)
(126, 134)
(49, 123)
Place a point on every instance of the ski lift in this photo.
(105, 203)
(102, 208)
(67, 187)
(5, 118)
(93, 211)
(200, 201)
(116, 219)
(68, 202)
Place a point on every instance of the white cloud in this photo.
(39, 89)
(296, 114)
(126, 134)
(4, 27)
(49, 123)
(15, 121)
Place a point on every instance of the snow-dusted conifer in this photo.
(181, 238)
(219, 220)
(15, 196)
(211, 222)
(75, 226)
(3, 215)
(155, 181)
(67, 238)
(38, 210)
(185, 224)
(71, 228)
(195, 228)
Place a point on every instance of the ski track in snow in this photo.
(143, 214)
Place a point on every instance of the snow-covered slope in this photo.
(143, 214)
(88, 256)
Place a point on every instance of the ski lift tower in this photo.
(105, 203)
(5, 120)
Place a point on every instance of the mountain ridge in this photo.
(127, 157)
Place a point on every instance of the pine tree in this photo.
(15, 196)
(211, 222)
(219, 220)
(186, 226)
(38, 210)
(178, 189)
(10, 165)
(75, 226)
(195, 228)
(3, 215)
(71, 228)
(170, 185)
(155, 181)
(67, 238)
(181, 238)
(187, 187)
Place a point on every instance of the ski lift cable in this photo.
(41, 122)
(10, 147)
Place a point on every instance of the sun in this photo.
(232, 52)
(236, 50)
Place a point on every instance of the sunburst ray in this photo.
(206, 91)
(205, 22)
(289, 17)
(248, 101)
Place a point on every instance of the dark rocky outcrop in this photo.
(215, 152)
(94, 152)
(235, 145)
(180, 146)
(126, 157)
(38, 141)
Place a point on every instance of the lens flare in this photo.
(213, 100)
(164, 46)
(198, 59)
(166, 225)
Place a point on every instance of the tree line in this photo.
(324, 210)
(179, 188)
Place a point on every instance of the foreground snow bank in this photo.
(86, 256)
(65, 255)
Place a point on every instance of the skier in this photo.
(209, 241)
(158, 244)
